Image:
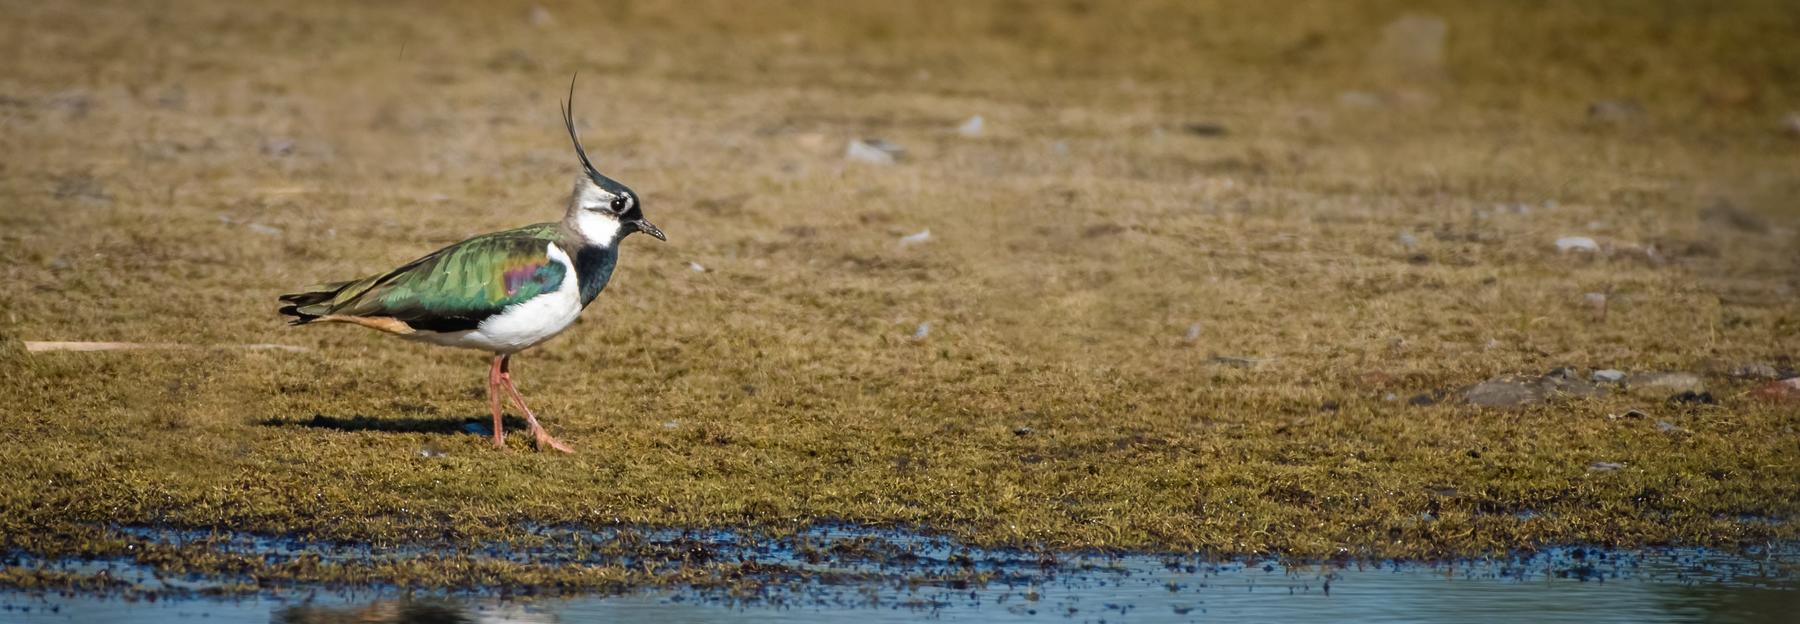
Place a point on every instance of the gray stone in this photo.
(1577, 243)
(972, 127)
(1664, 385)
(1508, 391)
(1523, 390)
(1577, 388)
(1604, 466)
(1607, 375)
(1756, 371)
(1566, 380)
(873, 151)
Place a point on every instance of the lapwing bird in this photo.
(503, 292)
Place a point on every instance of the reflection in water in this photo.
(1713, 603)
(1570, 585)
(393, 612)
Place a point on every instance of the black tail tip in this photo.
(300, 318)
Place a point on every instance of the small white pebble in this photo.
(922, 331)
(873, 151)
(916, 237)
(1193, 332)
(696, 267)
(972, 127)
(1577, 243)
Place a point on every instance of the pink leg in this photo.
(542, 437)
(493, 388)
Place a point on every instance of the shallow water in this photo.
(897, 571)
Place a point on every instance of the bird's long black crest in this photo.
(569, 121)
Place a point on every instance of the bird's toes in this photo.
(553, 444)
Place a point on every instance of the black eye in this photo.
(618, 204)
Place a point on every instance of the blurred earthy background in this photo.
(1247, 277)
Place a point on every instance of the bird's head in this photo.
(601, 209)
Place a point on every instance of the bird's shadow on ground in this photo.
(468, 426)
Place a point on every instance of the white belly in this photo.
(521, 325)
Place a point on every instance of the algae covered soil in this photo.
(1207, 279)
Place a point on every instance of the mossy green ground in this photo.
(171, 169)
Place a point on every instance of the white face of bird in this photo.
(603, 215)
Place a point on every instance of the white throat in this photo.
(593, 219)
(598, 229)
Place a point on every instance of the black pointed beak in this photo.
(647, 227)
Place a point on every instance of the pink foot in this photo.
(545, 439)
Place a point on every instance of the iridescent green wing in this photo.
(458, 286)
